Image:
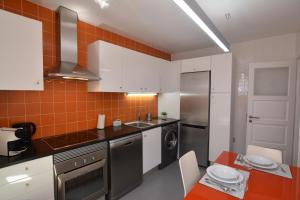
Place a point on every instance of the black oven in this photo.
(81, 173)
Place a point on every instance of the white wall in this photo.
(170, 103)
(296, 156)
(297, 125)
(263, 50)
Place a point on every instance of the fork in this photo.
(222, 187)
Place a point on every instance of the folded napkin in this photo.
(236, 190)
(282, 170)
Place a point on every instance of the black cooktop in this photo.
(67, 140)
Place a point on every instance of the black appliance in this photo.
(169, 142)
(25, 131)
(126, 165)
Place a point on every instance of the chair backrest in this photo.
(189, 169)
(274, 154)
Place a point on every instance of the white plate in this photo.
(224, 174)
(260, 162)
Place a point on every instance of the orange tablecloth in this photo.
(261, 185)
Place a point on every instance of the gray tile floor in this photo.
(162, 184)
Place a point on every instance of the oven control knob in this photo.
(84, 161)
(93, 158)
(75, 164)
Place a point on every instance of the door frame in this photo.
(291, 98)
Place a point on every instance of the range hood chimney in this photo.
(68, 67)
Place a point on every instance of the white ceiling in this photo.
(161, 24)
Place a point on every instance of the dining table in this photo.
(261, 185)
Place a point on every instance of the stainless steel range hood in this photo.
(68, 68)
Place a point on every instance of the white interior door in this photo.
(271, 104)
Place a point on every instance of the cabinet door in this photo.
(21, 53)
(221, 73)
(151, 149)
(151, 74)
(106, 60)
(40, 186)
(196, 64)
(133, 71)
(170, 76)
(29, 168)
(219, 138)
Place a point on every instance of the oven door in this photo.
(86, 183)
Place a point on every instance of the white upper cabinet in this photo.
(221, 73)
(170, 76)
(106, 60)
(141, 72)
(122, 70)
(21, 53)
(196, 64)
(152, 74)
(134, 67)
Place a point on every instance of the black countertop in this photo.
(39, 148)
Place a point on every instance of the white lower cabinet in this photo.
(28, 181)
(151, 149)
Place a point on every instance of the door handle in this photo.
(253, 117)
(128, 143)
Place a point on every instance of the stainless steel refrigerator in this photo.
(194, 114)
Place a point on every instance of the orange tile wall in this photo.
(65, 105)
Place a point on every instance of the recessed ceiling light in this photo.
(102, 3)
(200, 18)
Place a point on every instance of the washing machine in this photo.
(169, 142)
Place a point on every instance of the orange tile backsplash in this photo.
(65, 105)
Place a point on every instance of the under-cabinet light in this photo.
(141, 94)
(74, 78)
(189, 11)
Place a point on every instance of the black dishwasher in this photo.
(126, 165)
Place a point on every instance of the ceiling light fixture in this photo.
(200, 18)
(103, 3)
(227, 16)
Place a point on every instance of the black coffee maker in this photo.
(25, 132)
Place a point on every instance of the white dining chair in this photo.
(274, 154)
(189, 170)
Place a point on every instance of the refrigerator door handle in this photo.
(195, 125)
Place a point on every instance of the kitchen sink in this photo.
(139, 124)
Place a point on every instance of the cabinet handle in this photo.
(121, 87)
(27, 184)
(38, 82)
(26, 168)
